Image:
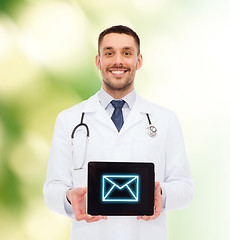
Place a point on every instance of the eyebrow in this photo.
(128, 48)
(124, 48)
(107, 48)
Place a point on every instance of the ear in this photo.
(139, 61)
(98, 62)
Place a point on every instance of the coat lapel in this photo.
(98, 112)
(138, 112)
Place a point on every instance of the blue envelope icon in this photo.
(120, 188)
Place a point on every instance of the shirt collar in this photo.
(105, 98)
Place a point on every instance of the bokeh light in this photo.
(16, 68)
(54, 34)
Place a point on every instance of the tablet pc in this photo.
(120, 188)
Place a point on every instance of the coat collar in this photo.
(92, 104)
(139, 110)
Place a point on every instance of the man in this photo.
(118, 134)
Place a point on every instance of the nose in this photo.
(118, 60)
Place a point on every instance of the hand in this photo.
(77, 198)
(158, 204)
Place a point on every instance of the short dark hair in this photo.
(120, 29)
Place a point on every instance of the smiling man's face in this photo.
(118, 61)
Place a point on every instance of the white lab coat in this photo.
(166, 150)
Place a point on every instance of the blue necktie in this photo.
(117, 116)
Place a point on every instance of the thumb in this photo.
(78, 193)
(157, 185)
(84, 190)
(81, 191)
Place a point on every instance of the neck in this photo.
(118, 94)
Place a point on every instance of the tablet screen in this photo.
(120, 188)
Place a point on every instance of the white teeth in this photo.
(118, 72)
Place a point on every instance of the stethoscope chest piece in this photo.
(151, 131)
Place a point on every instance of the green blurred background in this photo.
(47, 51)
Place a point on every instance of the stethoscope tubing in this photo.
(79, 125)
(151, 131)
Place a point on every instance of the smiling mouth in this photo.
(118, 71)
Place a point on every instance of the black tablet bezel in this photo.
(145, 205)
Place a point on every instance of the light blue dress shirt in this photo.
(105, 100)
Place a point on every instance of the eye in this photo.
(127, 53)
(108, 53)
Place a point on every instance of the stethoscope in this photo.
(150, 130)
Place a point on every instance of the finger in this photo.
(147, 218)
(80, 217)
(151, 217)
(96, 218)
(157, 212)
(78, 210)
(157, 188)
(157, 185)
(84, 190)
(79, 203)
(158, 202)
(89, 218)
(144, 217)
